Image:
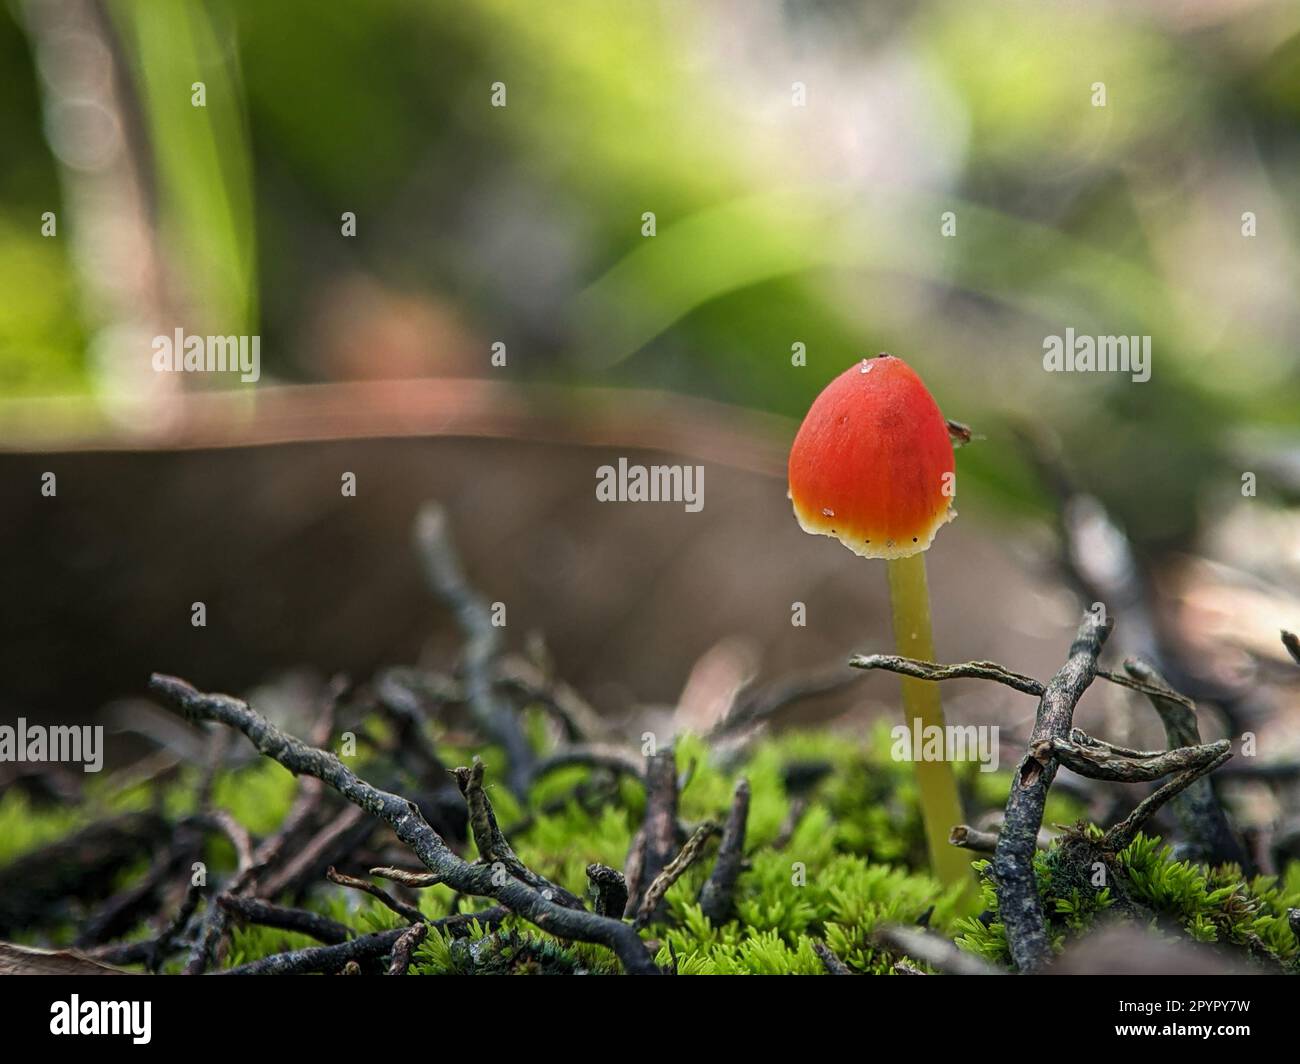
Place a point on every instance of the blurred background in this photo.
(799, 160)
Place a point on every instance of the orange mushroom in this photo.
(872, 465)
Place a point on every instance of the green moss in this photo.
(1146, 884)
(258, 796)
(24, 828)
(848, 867)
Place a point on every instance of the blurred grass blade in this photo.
(201, 157)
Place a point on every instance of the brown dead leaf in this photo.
(24, 960)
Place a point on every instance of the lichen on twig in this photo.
(928, 670)
(1101, 761)
(409, 825)
(610, 889)
(1019, 904)
(672, 872)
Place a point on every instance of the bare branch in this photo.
(717, 899)
(322, 958)
(406, 912)
(446, 579)
(610, 888)
(404, 947)
(673, 872)
(832, 964)
(1013, 863)
(406, 877)
(617, 759)
(1198, 809)
(153, 951)
(303, 921)
(581, 722)
(991, 670)
(1151, 690)
(492, 845)
(750, 707)
(656, 841)
(928, 670)
(404, 708)
(1100, 762)
(238, 836)
(345, 957)
(969, 838)
(1126, 830)
(409, 825)
(325, 845)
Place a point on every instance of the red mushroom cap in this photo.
(872, 464)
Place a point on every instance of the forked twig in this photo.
(1019, 904)
(406, 912)
(1100, 761)
(411, 828)
(1126, 830)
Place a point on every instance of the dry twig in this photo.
(672, 872)
(1013, 862)
(407, 877)
(969, 838)
(492, 846)
(409, 825)
(303, 921)
(610, 889)
(482, 643)
(406, 912)
(1101, 761)
(832, 964)
(717, 898)
(655, 843)
(617, 759)
(1126, 830)
(1198, 809)
(928, 670)
(404, 947)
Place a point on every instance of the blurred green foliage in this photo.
(775, 224)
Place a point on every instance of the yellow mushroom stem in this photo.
(936, 781)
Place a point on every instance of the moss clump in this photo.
(847, 867)
(1144, 883)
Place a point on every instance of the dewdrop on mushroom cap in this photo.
(872, 463)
